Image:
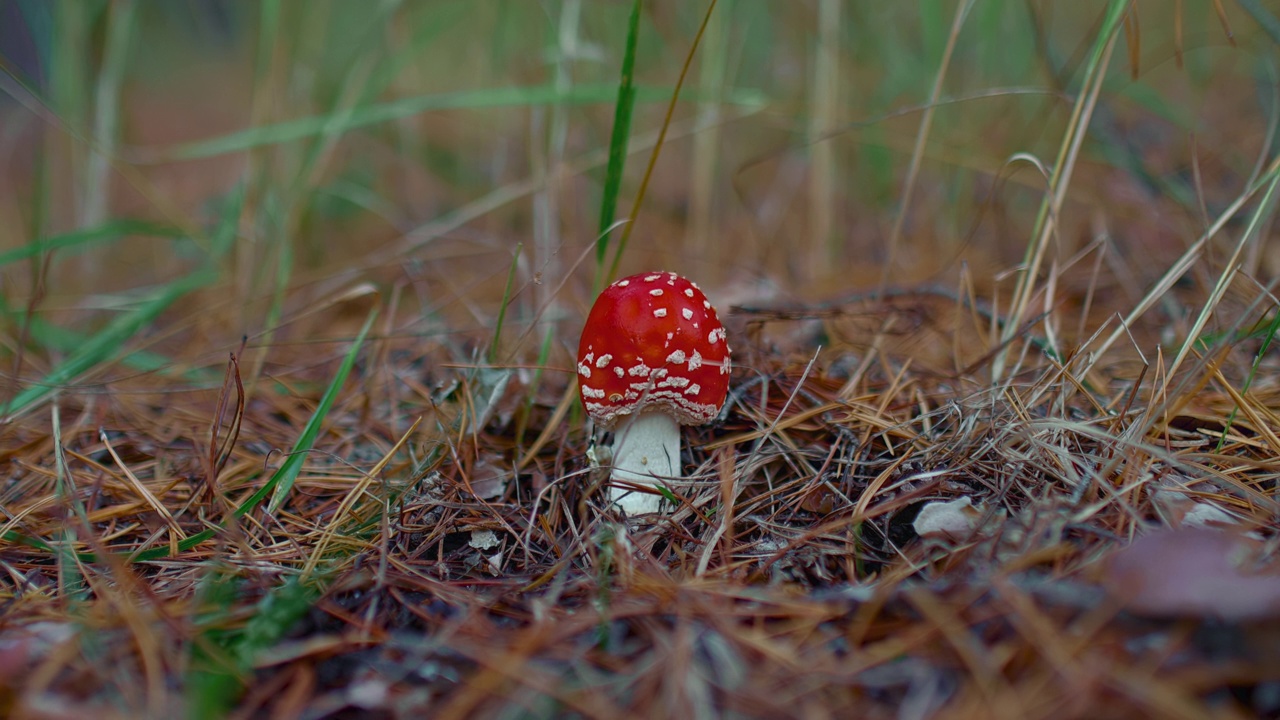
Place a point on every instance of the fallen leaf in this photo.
(952, 518)
(1194, 572)
(1179, 510)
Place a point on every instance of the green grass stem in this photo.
(281, 481)
(106, 344)
(657, 147)
(506, 300)
(303, 128)
(1060, 179)
(624, 106)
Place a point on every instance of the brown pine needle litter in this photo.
(788, 582)
(289, 421)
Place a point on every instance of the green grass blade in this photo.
(1258, 220)
(107, 343)
(106, 111)
(657, 145)
(1264, 17)
(48, 335)
(1268, 336)
(1060, 181)
(303, 128)
(281, 481)
(70, 580)
(18, 538)
(108, 231)
(215, 684)
(212, 675)
(506, 299)
(544, 355)
(223, 238)
(623, 108)
(277, 612)
(287, 473)
(704, 170)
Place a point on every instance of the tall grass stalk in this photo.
(1261, 214)
(249, 259)
(922, 138)
(267, 134)
(623, 108)
(106, 113)
(492, 355)
(701, 232)
(824, 118)
(70, 577)
(69, 88)
(1060, 180)
(1182, 264)
(657, 147)
(104, 233)
(549, 155)
(351, 94)
(535, 383)
(105, 345)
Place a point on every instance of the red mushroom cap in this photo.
(652, 341)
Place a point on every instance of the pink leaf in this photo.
(1194, 572)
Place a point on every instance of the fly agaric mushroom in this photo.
(653, 356)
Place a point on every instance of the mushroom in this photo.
(653, 356)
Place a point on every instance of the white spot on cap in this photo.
(695, 360)
(590, 392)
(622, 283)
(688, 292)
(584, 370)
(693, 389)
(603, 362)
(660, 312)
(589, 358)
(656, 292)
(640, 370)
(687, 313)
(651, 278)
(714, 336)
(619, 371)
(706, 304)
(676, 358)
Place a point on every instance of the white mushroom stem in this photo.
(646, 451)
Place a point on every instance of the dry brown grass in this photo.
(789, 583)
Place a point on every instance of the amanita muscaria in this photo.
(653, 356)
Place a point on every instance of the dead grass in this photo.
(789, 583)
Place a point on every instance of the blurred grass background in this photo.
(282, 152)
(181, 177)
